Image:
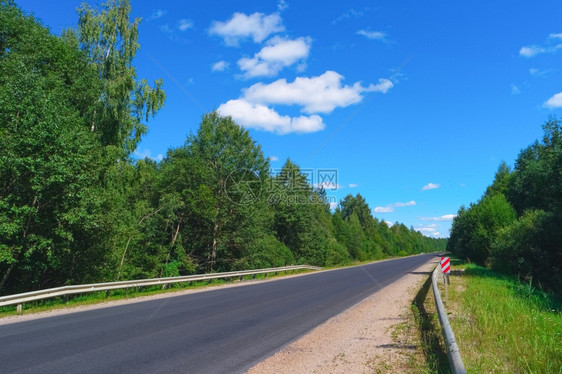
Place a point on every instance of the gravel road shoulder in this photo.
(358, 340)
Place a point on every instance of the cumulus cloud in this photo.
(430, 186)
(273, 158)
(282, 5)
(240, 26)
(185, 24)
(333, 205)
(374, 35)
(157, 13)
(353, 185)
(531, 51)
(431, 230)
(446, 217)
(391, 207)
(321, 94)
(276, 55)
(551, 45)
(554, 102)
(260, 117)
(220, 66)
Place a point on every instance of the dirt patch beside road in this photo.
(360, 340)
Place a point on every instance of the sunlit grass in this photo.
(503, 325)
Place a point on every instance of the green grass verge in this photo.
(503, 325)
(418, 338)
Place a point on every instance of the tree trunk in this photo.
(5, 277)
(123, 258)
(213, 257)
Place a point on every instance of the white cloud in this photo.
(273, 158)
(515, 90)
(375, 35)
(390, 207)
(554, 102)
(446, 217)
(531, 51)
(256, 26)
(184, 24)
(539, 72)
(549, 46)
(389, 224)
(353, 185)
(321, 94)
(333, 205)
(220, 66)
(383, 209)
(430, 186)
(276, 55)
(141, 155)
(351, 13)
(429, 230)
(328, 186)
(282, 5)
(260, 117)
(157, 13)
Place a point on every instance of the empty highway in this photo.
(217, 331)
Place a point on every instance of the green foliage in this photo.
(475, 229)
(74, 207)
(524, 240)
(528, 248)
(51, 227)
(265, 252)
(111, 43)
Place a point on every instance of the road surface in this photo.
(218, 331)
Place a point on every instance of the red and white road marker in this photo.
(445, 265)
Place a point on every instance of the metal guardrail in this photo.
(457, 366)
(19, 299)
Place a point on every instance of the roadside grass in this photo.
(127, 293)
(418, 338)
(503, 325)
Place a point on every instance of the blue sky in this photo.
(414, 103)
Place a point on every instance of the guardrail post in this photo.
(240, 278)
(107, 293)
(19, 309)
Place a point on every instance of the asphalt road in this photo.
(218, 331)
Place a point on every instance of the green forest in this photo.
(76, 208)
(515, 227)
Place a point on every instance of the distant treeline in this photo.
(516, 227)
(75, 208)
